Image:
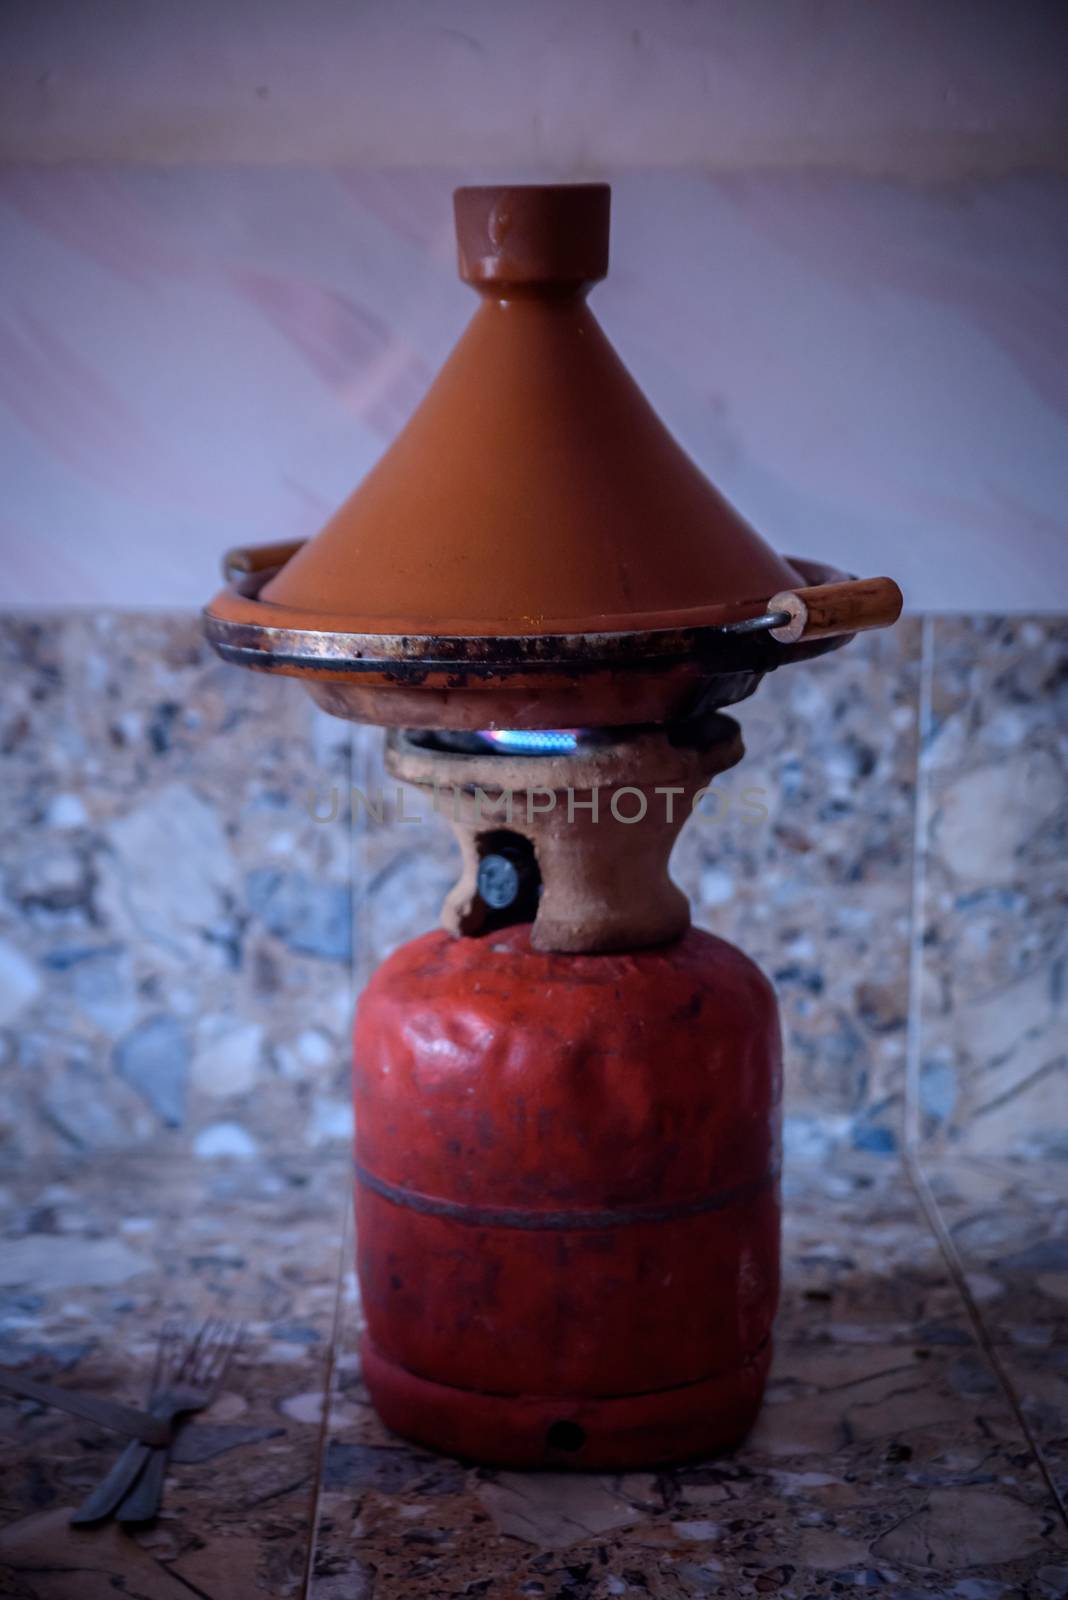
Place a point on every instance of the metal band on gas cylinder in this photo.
(563, 1221)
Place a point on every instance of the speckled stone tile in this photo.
(179, 887)
(93, 1260)
(175, 927)
(886, 1457)
(992, 1073)
(1008, 1223)
(819, 890)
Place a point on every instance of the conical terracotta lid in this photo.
(534, 491)
(534, 549)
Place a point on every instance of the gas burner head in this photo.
(574, 841)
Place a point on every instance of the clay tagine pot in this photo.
(534, 530)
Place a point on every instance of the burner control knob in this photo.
(499, 881)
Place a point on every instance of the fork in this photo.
(187, 1378)
(197, 1383)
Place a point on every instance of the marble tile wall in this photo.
(186, 911)
(201, 356)
(819, 891)
(991, 1056)
(175, 928)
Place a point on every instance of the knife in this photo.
(128, 1420)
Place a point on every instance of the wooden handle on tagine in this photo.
(248, 567)
(830, 609)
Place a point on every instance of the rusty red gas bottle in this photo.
(567, 1197)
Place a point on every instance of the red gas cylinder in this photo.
(567, 1197)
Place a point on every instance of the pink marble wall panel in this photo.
(192, 358)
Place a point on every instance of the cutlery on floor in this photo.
(189, 1372)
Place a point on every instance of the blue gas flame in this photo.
(534, 741)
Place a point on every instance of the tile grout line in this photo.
(914, 1039)
(955, 1267)
(322, 1442)
(911, 1153)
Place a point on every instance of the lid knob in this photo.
(533, 236)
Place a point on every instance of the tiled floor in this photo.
(896, 1452)
(94, 1261)
(1009, 1227)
